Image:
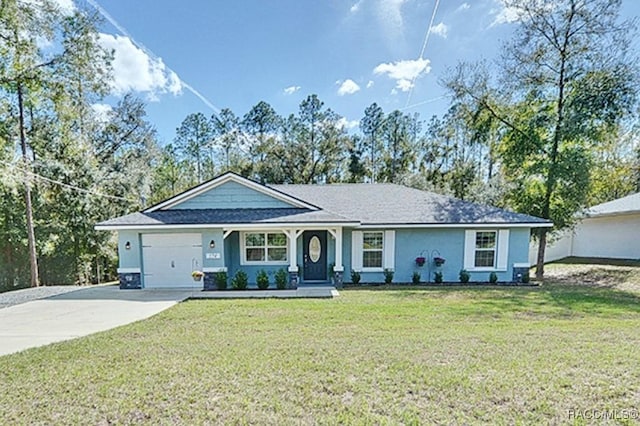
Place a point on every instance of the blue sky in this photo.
(196, 56)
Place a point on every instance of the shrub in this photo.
(262, 279)
(416, 278)
(464, 276)
(221, 280)
(526, 278)
(281, 279)
(493, 278)
(355, 277)
(438, 277)
(388, 276)
(240, 281)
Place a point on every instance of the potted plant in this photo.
(439, 261)
(420, 260)
(197, 275)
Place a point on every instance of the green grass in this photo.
(458, 355)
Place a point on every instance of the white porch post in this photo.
(339, 267)
(293, 250)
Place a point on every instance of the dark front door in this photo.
(315, 255)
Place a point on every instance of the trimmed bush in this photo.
(355, 277)
(281, 278)
(240, 281)
(464, 276)
(262, 279)
(493, 278)
(388, 276)
(221, 279)
(416, 278)
(438, 277)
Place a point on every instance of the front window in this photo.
(265, 247)
(485, 251)
(372, 245)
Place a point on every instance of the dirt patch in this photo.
(626, 278)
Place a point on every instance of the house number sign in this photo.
(315, 249)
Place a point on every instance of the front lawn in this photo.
(457, 355)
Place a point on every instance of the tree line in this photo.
(547, 129)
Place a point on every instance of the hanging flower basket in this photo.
(197, 275)
(439, 261)
(420, 261)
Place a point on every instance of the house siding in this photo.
(129, 258)
(409, 244)
(231, 195)
(447, 243)
(612, 237)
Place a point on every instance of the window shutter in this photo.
(356, 250)
(469, 249)
(389, 250)
(503, 249)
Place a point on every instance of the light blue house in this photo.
(318, 234)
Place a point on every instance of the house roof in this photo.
(382, 204)
(340, 204)
(225, 217)
(624, 205)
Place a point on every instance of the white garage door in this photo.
(169, 259)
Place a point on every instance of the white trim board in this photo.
(232, 227)
(454, 225)
(128, 270)
(229, 177)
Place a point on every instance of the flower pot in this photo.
(420, 261)
(197, 277)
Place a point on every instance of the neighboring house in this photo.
(609, 230)
(231, 223)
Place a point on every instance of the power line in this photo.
(424, 47)
(68, 186)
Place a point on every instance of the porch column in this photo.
(293, 250)
(338, 269)
(293, 235)
(338, 235)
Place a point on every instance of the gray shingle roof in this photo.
(225, 216)
(624, 205)
(396, 204)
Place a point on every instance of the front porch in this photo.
(310, 256)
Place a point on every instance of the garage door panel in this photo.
(169, 259)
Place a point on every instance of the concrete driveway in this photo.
(79, 313)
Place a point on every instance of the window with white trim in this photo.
(372, 249)
(485, 249)
(265, 248)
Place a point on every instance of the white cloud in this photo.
(505, 14)
(370, 84)
(348, 124)
(134, 70)
(390, 15)
(441, 29)
(291, 90)
(356, 6)
(404, 72)
(463, 6)
(102, 111)
(66, 6)
(348, 87)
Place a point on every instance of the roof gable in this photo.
(230, 191)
